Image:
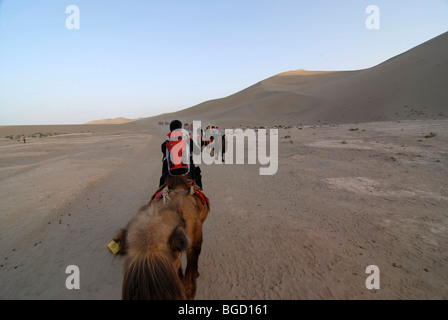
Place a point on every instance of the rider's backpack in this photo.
(178, 153)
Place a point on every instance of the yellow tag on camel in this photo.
(114, 246)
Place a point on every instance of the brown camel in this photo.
(155, 238)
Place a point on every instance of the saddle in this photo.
(164, 191)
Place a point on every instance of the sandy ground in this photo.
(344, 197)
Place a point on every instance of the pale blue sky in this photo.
(139, 58)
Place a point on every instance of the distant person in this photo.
(24, 140)
(169, 168)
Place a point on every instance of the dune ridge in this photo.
(411, 85)
(119, 120)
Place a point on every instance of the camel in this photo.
(153, 241)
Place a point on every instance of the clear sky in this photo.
(139, 58)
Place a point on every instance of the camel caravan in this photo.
(153, 241)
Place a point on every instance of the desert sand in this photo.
(362, 180)
(344, 197)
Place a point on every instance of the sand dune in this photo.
(409, 86)
(119, 120)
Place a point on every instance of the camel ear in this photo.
(121, 239)
(179, 240)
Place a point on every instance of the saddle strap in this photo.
(201, 196)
